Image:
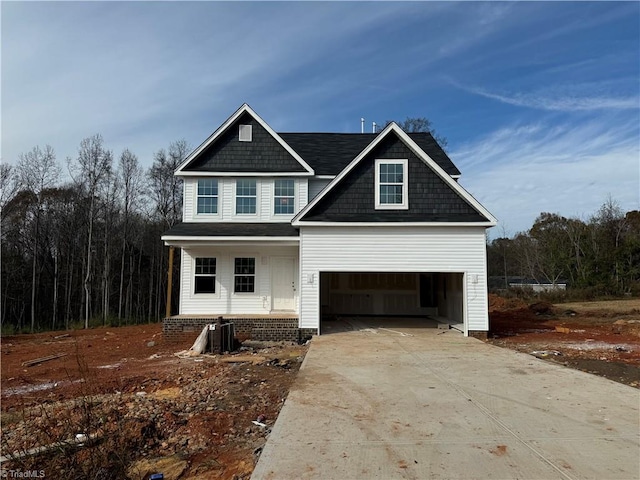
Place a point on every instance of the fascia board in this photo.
(303, 223)
(178, 238)
(244, 174)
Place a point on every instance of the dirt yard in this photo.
(143, 409)
(602, 338)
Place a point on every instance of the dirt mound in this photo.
(501, 304)
(541, 308)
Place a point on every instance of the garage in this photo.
(429, 295)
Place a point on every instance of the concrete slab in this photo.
(386, 401)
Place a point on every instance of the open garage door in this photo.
(434, 295)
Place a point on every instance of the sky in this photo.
(539, 101)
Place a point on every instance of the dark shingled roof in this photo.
(232, 230)
(330, 153)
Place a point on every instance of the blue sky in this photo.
(540, 102)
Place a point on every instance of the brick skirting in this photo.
(479, 334)
(262, 329)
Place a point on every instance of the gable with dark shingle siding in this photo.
(228, 154)
(430, 198)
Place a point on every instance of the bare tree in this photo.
(93, 166)
(8, 185)
(37, 170)
(131, 179)
(418, 125)
(165, 187)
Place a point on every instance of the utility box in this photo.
(221, 337)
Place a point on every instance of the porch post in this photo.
(169, 282)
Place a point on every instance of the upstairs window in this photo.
(391, 185)
(246, 133)
(244, 275)
(205, 275)
(283, 197)
(207, 196)
(245, 197)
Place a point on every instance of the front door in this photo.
(283, 283)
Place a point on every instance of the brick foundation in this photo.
(246, 328)
(479, 334)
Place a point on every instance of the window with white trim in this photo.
(245, 133)
(391, 184)
(205, 275)
(245, 196)
(244, 275)
(207, 201)
(283, 197)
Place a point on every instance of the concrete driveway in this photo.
(420, 403)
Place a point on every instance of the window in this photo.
(391, 184)
(245, 133)
(205, 276)
(244, 278)
(283, 197)
(207, 196)
(245, 196)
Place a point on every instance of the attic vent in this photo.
(245, 133)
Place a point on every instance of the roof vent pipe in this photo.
(374, 127)
(362, 125)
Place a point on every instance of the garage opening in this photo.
(435, 296)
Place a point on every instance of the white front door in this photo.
(283, 283)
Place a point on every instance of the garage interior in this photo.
(432, 296)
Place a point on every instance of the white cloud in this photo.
(567, 98)
(519, 172)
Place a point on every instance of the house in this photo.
(282, 231)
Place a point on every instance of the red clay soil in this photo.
(193, 415)
(603, 341)
(119, 357)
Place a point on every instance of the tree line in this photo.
(86, 250)
(599, 256)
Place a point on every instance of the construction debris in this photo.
(37, 361)
(198, 346)
(255, 359)
(546, 353)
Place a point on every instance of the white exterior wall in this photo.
(225, 301)
(395, 249)
(226, 201)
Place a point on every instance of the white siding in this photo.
(225, 301)
(226, 201)
(395, 249)
(316, 185)
(188, 193)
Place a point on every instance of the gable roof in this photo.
(467, 210)
(223, 154)
(330, 153)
